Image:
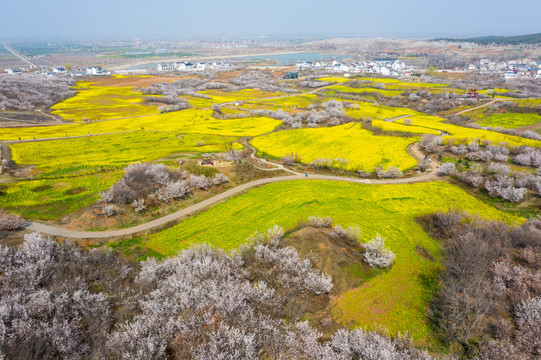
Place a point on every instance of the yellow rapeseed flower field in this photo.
(185, 121)
(114, 150)
(393, 126)
(103, 102)
(299, 101)
(463, 134)
(242, 95)
(396, 298)
(378, 111)
(360, 147)
(347, 89)
(334, 79)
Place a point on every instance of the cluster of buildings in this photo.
(92, 70)
(386, 67)
(508, 69)
(188, 66)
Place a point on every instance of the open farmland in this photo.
(510, 120)
(415, 86)
(219, 96)
(60, 179)
(297, 101)
(463, 134)
(68, 155)
(378, 111)
(50, 199)
(379, 80)
(385, 209)
(360, 147)
(347, 89)
(188, 121)
(100, 103)
(334, 79)
(394, 126)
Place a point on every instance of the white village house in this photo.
(96, 70)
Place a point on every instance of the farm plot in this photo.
(360, 147)
(242, 95)
(463, 134)
(378, 111)
(396, 299)
(379, 80)
(393, 126)
(66, 156)
(99, 103)
(298, 101)
(185, 121)
(347, 89)
(334, 79)
(50, 199)
(510, 120)
(416, 86)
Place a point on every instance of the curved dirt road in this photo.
(480, 106)
(60, 231)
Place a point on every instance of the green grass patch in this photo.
(510, 120)
(397, 298)
(51, 199)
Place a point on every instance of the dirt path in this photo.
(160, 222)
(23, 58)
(71, 137)
(276, 166)
(480, 106)
(397, 118)
(44, 113)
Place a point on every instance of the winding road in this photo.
(480, 106)
(160, 222)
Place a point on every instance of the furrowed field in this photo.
(360, 147)
(396, 298)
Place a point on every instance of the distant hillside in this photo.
(500, 40)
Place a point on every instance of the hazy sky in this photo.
(42, 19)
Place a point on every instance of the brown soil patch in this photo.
(76, 191)
(340, 258)
(41, 188)
(424, 253)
